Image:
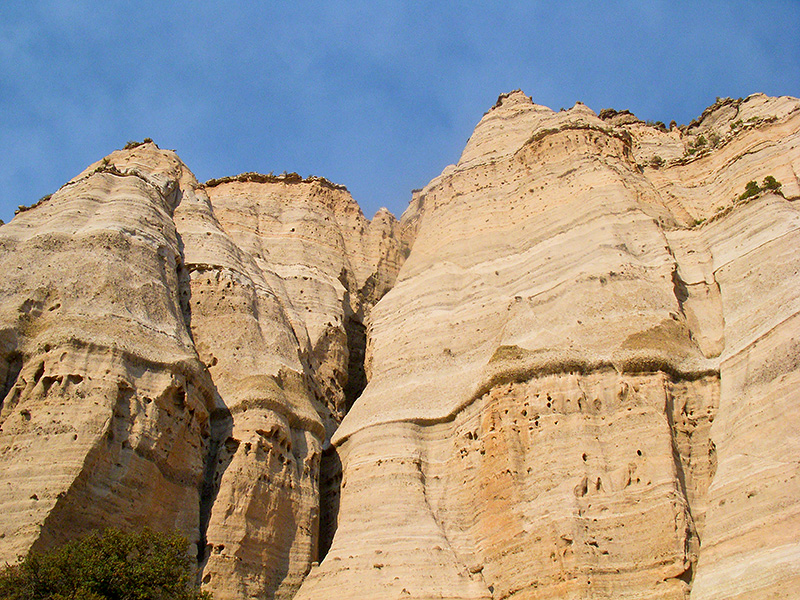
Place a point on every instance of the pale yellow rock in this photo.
(560, 369)
(104, 418)
(281, 273)
(580, 343)
(180, 372)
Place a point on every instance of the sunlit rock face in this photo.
(180, 364)
(569, 371)
(105, 410)
(282, 273)
(582, 384)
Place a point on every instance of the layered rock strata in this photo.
(273, 313)
(569, 371)
(570, 379)
(105, 413)
(173, 363)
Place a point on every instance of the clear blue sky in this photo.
(379, 96)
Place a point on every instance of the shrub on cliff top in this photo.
(134, 144)
(108, 565)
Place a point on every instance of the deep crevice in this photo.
(218, 457)
(679, 288)
(684, 463)
(183, 275)
(330, 471)
(357, 348)
(330, 484)
(218, 453)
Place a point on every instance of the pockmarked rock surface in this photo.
(570, 370)
(177, 364)
(583, 383)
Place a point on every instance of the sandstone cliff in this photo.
(569, 371)
(172, 363)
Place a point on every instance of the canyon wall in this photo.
(569, 371)
(177, 364)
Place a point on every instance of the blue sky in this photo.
(379, 96)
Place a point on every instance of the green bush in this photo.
(134, 144)
(752, 188)
(770, 183)
(108, 565)
(22, 208)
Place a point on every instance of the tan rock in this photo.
(105, 413)
(579, 347)
(558, 361)
(182, 372)
(282, 272)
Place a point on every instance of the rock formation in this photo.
(569, 371)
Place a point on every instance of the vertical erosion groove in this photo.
(356, 346)
(681, 462)
(184, 286)
(690, 409)
(220, 422)
(330, 474)
(220, 448)
(330, 483)
(679, 288)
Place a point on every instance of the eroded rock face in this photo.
(569, 371)
(552, 374)
(105, 416)
(164, 366)
(280, 273)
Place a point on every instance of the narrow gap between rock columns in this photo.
(221, 447)
(330, 483)
(357, 348)
(330, 474)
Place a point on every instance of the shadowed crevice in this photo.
(357, 347)
(330, 483)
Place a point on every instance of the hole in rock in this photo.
(13, 367)
(38, 375)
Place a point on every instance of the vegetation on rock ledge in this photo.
(134, 144)
(22, 208)
(285, 178)
(752, 188)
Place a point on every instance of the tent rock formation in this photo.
(570, 370)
